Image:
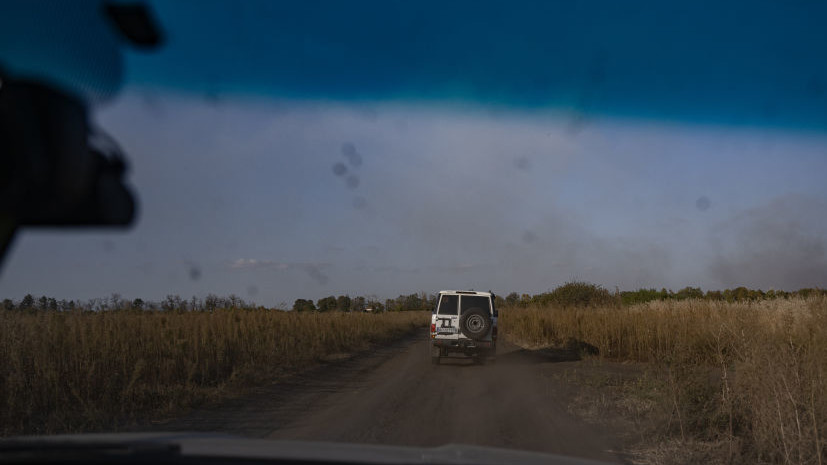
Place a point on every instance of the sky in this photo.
(310, 154)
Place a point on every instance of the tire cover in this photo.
(475, 323)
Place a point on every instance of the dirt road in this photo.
(396, 396)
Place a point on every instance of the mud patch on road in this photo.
(522, 356)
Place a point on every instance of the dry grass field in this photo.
(87, 371)
(749, 378)
(742, 382)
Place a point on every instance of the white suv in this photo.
(464, 322)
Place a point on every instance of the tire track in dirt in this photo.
(394, 395)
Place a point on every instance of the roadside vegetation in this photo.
(79, 370)
(738, 379)
(732, 376)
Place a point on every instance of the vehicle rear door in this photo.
(446, 318)
(470, 303)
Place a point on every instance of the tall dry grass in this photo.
(753, 375)
(82, 371)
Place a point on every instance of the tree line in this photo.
(116, 302)
(580, 294)
(345, 303)
(174, 302)
(583, 294)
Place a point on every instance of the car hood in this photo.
(39, 449)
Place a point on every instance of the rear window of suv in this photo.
(474, 301)
(448, 304)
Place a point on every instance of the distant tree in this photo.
(327, 304)
(374, 304)
(690, 293)
(235, 301)
(776, 294)
(412, 302)
(357, 304)
(498, 301)
(343, 303)
(138, 304)
(429, 301)
(512, 298)
(115, 301)
(642, 296)
(807, 292)
(27, 302)
(741, 293)
(302, 305)
(577, 294)
(174, 303)
(211, 302)
(8, 304)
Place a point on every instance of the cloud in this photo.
(781, 244)
(447, 198)
(486, 200)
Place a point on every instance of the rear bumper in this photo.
(463, 345)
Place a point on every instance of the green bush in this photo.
(578, 294)
(641, 296)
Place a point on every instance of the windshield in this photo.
(639, 185)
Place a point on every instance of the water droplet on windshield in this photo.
(339, 169)
(353, 157)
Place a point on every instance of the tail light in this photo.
(433, 328)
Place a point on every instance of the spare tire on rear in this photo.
(475, 323)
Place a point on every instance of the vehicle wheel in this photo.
(475, 323)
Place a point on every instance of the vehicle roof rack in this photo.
(449, 291)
